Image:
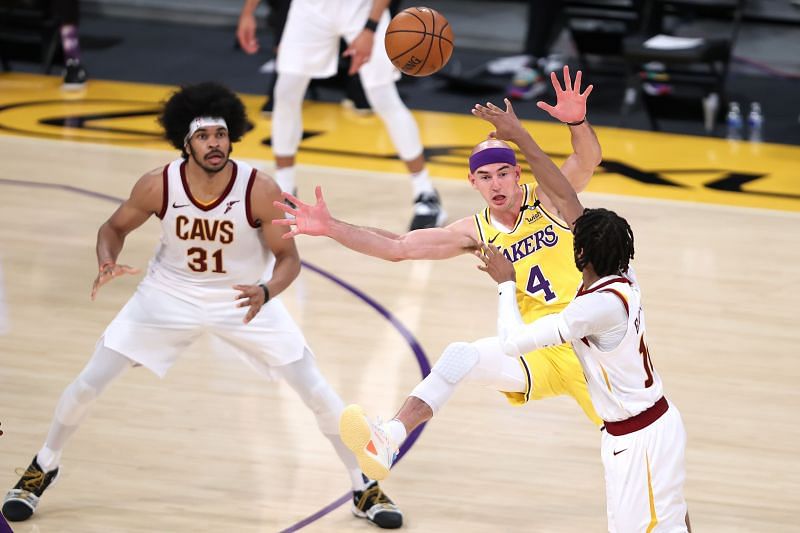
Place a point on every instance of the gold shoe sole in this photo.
(354, 432)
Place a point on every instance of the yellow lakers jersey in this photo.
(540, 246)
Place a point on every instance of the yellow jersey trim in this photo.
(528, 379)
(554, 219)
(605, 376)
(653, 517)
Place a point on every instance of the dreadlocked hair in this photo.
(207, 99)
(604, 239)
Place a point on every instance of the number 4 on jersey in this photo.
(537, 282)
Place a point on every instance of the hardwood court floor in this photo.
(213, 447)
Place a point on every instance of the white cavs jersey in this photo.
(622, 381)
(205, 250)
(644, 439)
(207, 246)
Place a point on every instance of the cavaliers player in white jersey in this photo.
(218, 270)
(644, 439)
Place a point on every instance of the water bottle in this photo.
(710, 107)
(755, 122)
(734, 121)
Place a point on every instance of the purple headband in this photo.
(491, 155)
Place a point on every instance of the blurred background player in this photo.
(218, 270)
(355, 99)
(67, 13)
(529, 69)
(308, 49)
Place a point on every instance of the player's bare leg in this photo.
(416, 165)
(413, 413)
(428, 210)
(375, 443)
(283, 161)
(284, 173)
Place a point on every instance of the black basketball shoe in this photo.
(374, 505)
(75, 75)
(428, 212)
(21, 501)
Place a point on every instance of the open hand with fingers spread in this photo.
(570, 102)
(307, 219)
(109, 271)
(506, 123)
(252, 296)
(495, 263)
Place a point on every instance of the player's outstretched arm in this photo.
(509, 128)
(145, 199)
(570, 109)
(431, 243)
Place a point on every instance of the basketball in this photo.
(419, 41)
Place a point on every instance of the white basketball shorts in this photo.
(154, 327)
(310, 42)
(645, 472)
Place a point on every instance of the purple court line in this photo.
(4, 527)
(68, 188)
(422, 361)
(419, 353)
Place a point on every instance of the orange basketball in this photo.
(419, 41)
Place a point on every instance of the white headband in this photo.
(204, 122)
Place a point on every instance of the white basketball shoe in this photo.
(368, 441)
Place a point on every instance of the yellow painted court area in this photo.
(637, 163)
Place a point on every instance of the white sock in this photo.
(421, 183)
(285, 178)
(396, 431)
(48, 459)
(349, 460)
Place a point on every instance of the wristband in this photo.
(266, 292)
(371, 25)
(577, 122)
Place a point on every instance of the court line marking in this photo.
(268, 166)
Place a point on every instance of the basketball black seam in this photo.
(430, 46)
(408, 50)
(424, 33)
(418, 43)
(441, 52)
(418, 18)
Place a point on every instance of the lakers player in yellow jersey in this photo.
(539, 244)
(519, 219)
